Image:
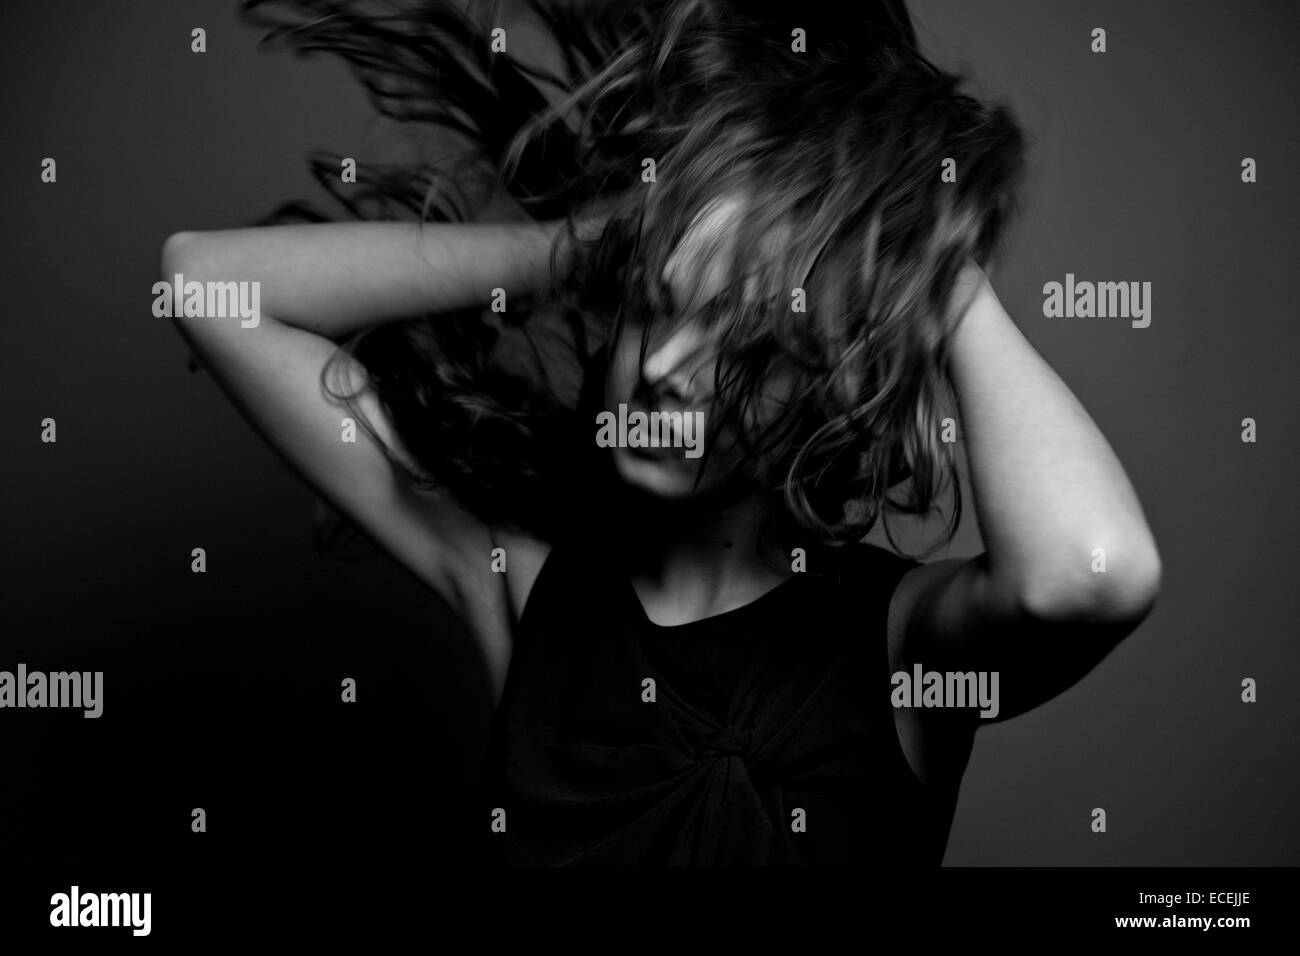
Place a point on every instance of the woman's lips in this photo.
(672, 440)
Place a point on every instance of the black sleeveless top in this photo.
(770, 738)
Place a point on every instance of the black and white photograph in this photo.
(450, 440)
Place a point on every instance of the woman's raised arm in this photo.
(320, 282)
(337, 278)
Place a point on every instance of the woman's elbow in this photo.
(1114, 583)
(175, 249)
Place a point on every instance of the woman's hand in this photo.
(591, 217)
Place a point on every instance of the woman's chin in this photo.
(660, 473)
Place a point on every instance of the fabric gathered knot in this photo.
(726, 742)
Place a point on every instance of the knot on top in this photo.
(725, 742)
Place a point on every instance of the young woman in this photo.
(773, 224)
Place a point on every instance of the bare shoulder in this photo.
(492, 587)
(918, 584)
(936, 743)
(520, 556)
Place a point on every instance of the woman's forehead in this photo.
(703, 262)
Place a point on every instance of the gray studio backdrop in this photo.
(1135, 176)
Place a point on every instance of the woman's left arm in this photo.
(1071, 566)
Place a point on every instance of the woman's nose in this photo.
(676, 360)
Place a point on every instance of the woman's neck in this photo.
(688, 566)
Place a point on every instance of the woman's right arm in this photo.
(320, 282)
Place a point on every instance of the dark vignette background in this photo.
(222, 690)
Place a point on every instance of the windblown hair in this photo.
(837, 150)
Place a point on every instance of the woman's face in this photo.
(674, 387)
